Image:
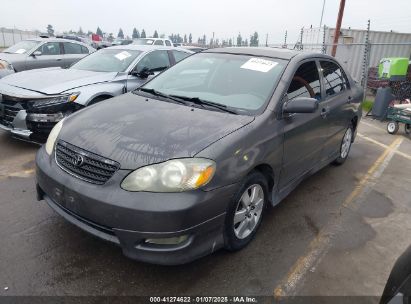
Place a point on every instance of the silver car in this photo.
(32, 102)
(39, 53)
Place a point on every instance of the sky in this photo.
(226, 18)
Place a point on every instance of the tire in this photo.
(407, 128)
(392, 127)
(345, 146)
(238, 235)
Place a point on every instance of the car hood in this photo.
(12, 57)
(136, 131)
(56, 80)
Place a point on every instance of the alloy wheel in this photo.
(248, 211)
(346, 143)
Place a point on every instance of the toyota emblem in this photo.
(78, 160)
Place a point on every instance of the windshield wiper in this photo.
(203, 103)
(160, 94)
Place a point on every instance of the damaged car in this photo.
(187, 163)
(32, 102)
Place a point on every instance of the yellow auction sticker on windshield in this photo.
(123, 55)
(259, 64)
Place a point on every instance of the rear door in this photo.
(304, 133)
(155, 60)
(73, 52)
(337, 102)
(51, 56)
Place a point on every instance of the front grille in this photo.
(8, 113)
(92, 167)
(9, 108)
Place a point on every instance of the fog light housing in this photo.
(168, 241)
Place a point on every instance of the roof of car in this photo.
(53, 39)
(257, 51)
(144, 48)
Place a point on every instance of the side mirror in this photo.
(36, 53)
(144, 73)
(300, 105)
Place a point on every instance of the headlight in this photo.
(51, 140)
(175, 175)
(45, 102)
(5, 65)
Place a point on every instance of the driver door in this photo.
(51, 56)
(304, 133)
(154, 60)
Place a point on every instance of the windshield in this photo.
(241, 82)
(107, 60)
(22, 47)
(143, 41)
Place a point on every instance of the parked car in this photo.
(152, 41)
(39, 53)
(122, 42)
(195, 49)
(187, 163)
(32, 102)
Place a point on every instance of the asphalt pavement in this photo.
(338, 233)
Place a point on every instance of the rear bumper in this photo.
(129, 219)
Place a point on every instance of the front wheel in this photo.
(245, 212)
(392, 127)
(345, 146)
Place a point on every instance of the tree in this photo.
(204, 39)
(155, 34)
(136, 34)
(185, 38)
(99, 32)
(50, 30)
(254, 39)
(246, 42)
(190, 38)
(80, 32)
(230, 42)
(143, 34)
(239, 40)
(120, 34)
(110, 37)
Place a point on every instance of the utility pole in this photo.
(338, 27)
(322, 14)
(266, 40)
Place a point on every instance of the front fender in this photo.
(88, 93)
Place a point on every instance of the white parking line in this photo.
(319, 247)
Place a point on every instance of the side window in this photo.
(72, 48)
(168, 43)
(178, 56)
(159, 42)
(334, 78)
(84, 50)
(305, 82)
(50, 48)
(156, 60)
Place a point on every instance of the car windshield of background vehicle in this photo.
(240, 82)
(143, 41)
(107, 60)
(22, 47)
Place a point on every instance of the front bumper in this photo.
(128, 219)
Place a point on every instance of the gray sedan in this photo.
(187, 163)
(32, 102)
(41, 53)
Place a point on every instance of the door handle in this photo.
(325, 112)
(59, 59)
